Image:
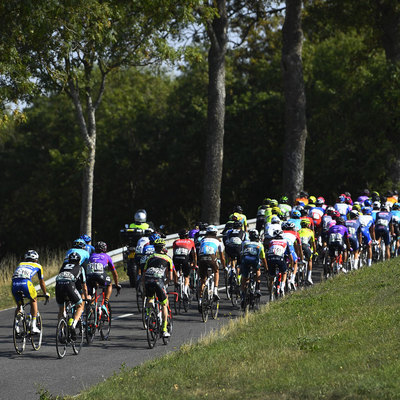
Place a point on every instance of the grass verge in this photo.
(338, 340)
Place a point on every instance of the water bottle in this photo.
(159, 316)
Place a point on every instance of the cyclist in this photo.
(270, 228)
(302, 198)
(285, 207)
(295, 219)
(184, 257)
(233, 245)
(198, 237)
(326, 223)
(396, 225)
(210, 248)
(384, 228)
(140, 256)
(293, 238)
(79, 246)
(70, 282)
(238, 212)
(159, 266)
(338, 239)
(99, 262)
(278, 248)
(367, 231)
(261, 215)
(342, 206)
(354, 227)
(89, 247)
(252, 252)
(22, 282)
(308, 245)
(363, 196)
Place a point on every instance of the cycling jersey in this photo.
(307, 238)
(354, 228)
(233, 242)
(292, 237)
(157, 265)
(343, 209)
(337, 234)
(366, 221)
(69, 282)
(251, 254)
(140, 245)
(316, 214)
(270, 229)
(83, 254)
(209, 247)
(277, 250)
(22, 280)
(296, 222)
(285, 209)
(240, 217)
(383, 219)
(183, 254)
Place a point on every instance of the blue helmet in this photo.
(79, 244)
(296, 214)
(366, 210)
(153, 237)
(367, 203)
(86, 238)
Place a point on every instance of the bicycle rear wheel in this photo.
(186, 300)
(61, 338)
(214, 306)
(227, 283)
(153, 329)
(169, 329)
(139, 297)
(36, 340)
(19, 333)
(234, 292)
(144, 315)
(77, 344)
(90, 323)
(105, 323)
(205, 306)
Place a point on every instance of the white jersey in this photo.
(270, 229)
(141, 243)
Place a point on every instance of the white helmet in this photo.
(31, 255)
(211, 229)
(140, 216)
(275, 219)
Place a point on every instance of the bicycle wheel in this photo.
(257, 302)
(227, 282)
(139, 298)
(169, 329)
(105, 324)
(214, 306)
(186, 300)
(36, 340)
(205, 304)
(61, 337)
(235, 293)
(144, 315)
(152, 329)
(19, 333)
(90, 323)
(77, 343)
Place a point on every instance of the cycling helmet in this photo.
(183, 233)
(396, 206)
(366, 192)
(357, 207)
(330, 210)
(340, 221)
(267, 201)
(74, 257)
(275, 220)
(140, 216)
(285, 226)
(212, 229)
(86, 238)
(277, 234)
(253, 235)
(376, 205)
(238, 209)
(153, 237)
(31, 255)
(367, 203)
(320, 201)
(336, 214)
(303, 194)
(341, 198)
(276, 211)
(296, 214)
(290, 226)
(302, 210)
(375, 195)
(203, 226)
(354, 214)
(79, 244)
(305, 223)
(312, 200)
(367, 210)
(385, 207)
(100, 247)
(273, 203)
(159, 243)
(237, 225)
(148, 232)
(284, 200)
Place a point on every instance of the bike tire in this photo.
(139, 298)
(227, 283)
(19, 339)
(144, 316)
(205, 305)
(90, 324)
(105, 324)
(169, 329)
(257, 302)
(186, 300)
(152, 329)
(235, 294)
(61, 337)
(77, 344)
(36, 340)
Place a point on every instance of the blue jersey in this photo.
(383, 220)
(210, 246)
(354, 227)
(396, 217)
(296, 222)
(252, 252)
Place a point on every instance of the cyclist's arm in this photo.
(42, 285)
(222, 257)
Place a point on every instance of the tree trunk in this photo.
(211, 201)
(295, 101)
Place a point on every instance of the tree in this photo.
(74, 46)
(295, 100)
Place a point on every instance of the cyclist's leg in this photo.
(163, 299)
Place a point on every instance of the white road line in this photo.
(121, 316)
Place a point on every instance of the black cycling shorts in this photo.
(182, 264)
(205, 262)
(102, 280)
(66, 290)
(156, 287)
(233, 251)
(274, 263)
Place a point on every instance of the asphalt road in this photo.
(22, 376)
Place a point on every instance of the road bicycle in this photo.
(276, 290)
(98, 316)
(194, 282)
(251, 300)
(179, 299)
(64, 334)
(22, 326)
(209, 305)
(154, 323)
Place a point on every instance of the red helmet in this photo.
(320, 201)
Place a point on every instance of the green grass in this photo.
(338, 340)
